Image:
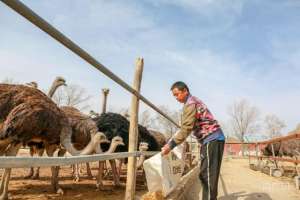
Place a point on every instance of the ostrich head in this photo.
(116, 141)
(32, 84)
(93, 114)
(143, 146)
(60, 81)
(99, 138)
(103, 138)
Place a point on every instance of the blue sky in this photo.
(225, 50)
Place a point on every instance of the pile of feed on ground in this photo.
(153, 196)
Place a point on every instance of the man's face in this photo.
(180, 95)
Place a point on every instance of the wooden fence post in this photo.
(133, 132)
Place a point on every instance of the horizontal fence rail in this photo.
(277, 139)
(25, 162)
(280, 139)
(34, 18)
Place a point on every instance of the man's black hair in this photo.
(180, 86)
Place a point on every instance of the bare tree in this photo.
(273, 125)
(225, 128)
(72, 95)
(124, 112)
(9, 81)
(244, 119)
(146, 119)
(165, 125)
(296, 130)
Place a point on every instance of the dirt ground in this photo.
(237, 182)
(28, 189)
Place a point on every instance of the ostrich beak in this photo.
(106, 141)
(122, 143)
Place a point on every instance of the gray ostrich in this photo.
(115, 142)
(83, 128)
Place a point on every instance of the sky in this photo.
(225, 50)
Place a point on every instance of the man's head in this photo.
(180, 91)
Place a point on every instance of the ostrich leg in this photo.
(99, 183)
(76, 173)
(114, 170)
(54, 170)
(31, 151)
(121, 161)
(11, 151)
(36, 175)
(88, 170)
(73, 170)
(3, 147)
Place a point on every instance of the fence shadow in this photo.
(245, 196)
(241, 195)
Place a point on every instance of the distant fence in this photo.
(253, 149)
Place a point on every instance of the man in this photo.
(197, 118)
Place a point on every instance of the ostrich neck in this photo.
(52, 90)
(89, 149)
(112, 148)
(140, 161)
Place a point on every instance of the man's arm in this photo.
(187, 125)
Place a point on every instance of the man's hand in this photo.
(165, 150)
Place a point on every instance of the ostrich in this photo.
(83, 128)
(142, 147)
(27, 115)
(290, 148)
(59, 81)
(38, 147)
(113, 124)
(115, 142)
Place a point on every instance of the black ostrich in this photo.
(113, 124)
